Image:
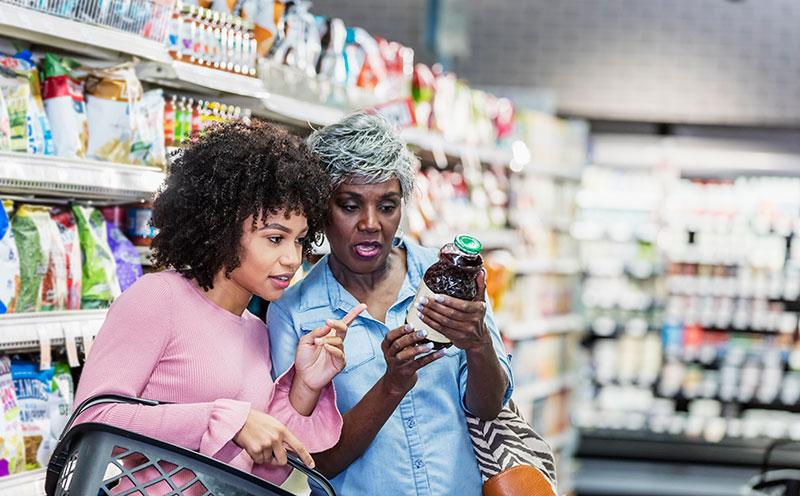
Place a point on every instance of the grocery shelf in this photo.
(26, 483)
(557, 266)
(518, 330)
(428, 140)
(545, 388)
(96, 41)
(158, 66)
(20, 331)
(300, 112)
(32, 174)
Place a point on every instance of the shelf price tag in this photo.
(88, 331)
(71, 332)
(45, 348)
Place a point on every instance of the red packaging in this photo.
(72, 247)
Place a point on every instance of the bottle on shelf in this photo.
(169, 121)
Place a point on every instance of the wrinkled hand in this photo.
(265, 439)
(460, 321)
(400, 348)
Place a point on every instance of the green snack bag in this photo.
(32, 259)
(100, 284)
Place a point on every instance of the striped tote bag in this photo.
(512, 457)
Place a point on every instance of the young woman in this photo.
(404, 407)
(240, 206)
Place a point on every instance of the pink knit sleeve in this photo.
(318, 432)
(127, 350)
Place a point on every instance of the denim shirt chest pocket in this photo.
(359, 347)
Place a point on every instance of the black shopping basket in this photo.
(92, 459)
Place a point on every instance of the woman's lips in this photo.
(367, 250)
(280, 282)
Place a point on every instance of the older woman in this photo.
(403, 407)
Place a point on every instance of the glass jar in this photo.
(454, 274)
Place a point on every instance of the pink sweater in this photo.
(164, 340)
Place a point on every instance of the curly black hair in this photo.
(223, 177)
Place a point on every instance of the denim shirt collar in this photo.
(337, 297)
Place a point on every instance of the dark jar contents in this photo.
(454, 274)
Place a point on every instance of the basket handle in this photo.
(103, 399)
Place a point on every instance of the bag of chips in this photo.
(60, 397)
(100, 284)
(12, 446)
(111, 96)
(129, 264)
(68, 229)
(9, 261)
(5, 125)
(33, 258)
(32, 387)
(17, 94)
(65, 107)
(37, 133)
(148, 147)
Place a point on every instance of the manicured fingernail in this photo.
(422, 333)
(440, 354)
(423, 301)
(421, 317)
(427, 346)
(440, 298)
(419, 306)
(408, 328)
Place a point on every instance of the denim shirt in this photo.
(424, 448)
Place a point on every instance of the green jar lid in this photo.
(468, 244)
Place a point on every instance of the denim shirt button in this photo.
(419, 464)
(411, 423)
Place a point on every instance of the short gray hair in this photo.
(366, 146)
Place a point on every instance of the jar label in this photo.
(413, 315)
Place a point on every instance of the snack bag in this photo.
(54, 285)
(68, 230)
(32, 387)
(110, 105)
(33, 259)
(5, 125)
(12, 446)
(53, 269)
(60, 397)
(9, 261)
(37, 131)
(129, 264)
(148, 147)
(65, 107)
(17, 94)
(42, 123)
(100, 284)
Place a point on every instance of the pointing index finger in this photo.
(352, 314)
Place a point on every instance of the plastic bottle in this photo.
(195, 118)
(187, 35)
(169, 121)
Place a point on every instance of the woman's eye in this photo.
(300, 241)
(388, 208)
(349, 207)
(276, 240)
